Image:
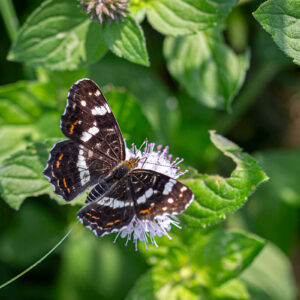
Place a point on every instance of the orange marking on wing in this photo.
(146, 211)
(88, 214)
(57, 164)
(68, 190)
(117, 221)
(61, 156)
(94, 217)
(72, 126)
(110, 223)
(64, 181)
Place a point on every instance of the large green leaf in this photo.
(210, 71)
(216, 196)
(180, 17)
(270, 277)
(126, 39)
(59, 37)
(198, 265)
(21, 175)
(225, 255)
(281, 19)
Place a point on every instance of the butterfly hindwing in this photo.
(156, 194)
(89, 121)
(111, 212)
(72, 168)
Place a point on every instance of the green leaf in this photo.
(124, 106)
(281, 19)
(225, 255)
(270, 277)
(198, 264)
(234, 289)
(180, 17)
(59, 37)
(21, 175)
(18, 105)
(209, 70)
(216, 196)
(159, 283)
(126, 39)
(13, 138)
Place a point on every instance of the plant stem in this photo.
(40, 260)
(10, 19)
(254, 86)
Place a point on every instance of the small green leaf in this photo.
(209, 70)
(225, 255)
(180, 17)
(271, 276)
(216, 196)
(59, 37)
(281, 19)
(21, 175)
(126, 39)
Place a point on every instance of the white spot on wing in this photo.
(168, 187)
(83, 103)
(97, 93)
(99, 110)
(93, 130)
(170, 200)
(86, 136)
(141, 199)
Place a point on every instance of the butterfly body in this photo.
(95, 156)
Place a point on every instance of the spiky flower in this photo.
(106, 11)
(157, 159)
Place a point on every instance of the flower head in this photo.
(157, 159)
(106, 11)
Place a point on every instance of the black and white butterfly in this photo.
(95, 155)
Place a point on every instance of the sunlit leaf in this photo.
(59, 37)
(234, 289)
(216, 196)
(209, 70)
(126, 39)
(281, 19)
(180, 17)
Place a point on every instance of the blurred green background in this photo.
(264, 121)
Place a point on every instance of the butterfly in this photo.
(95, 156)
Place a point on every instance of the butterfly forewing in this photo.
(156, 194)
(111, 212)
(88, 120)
